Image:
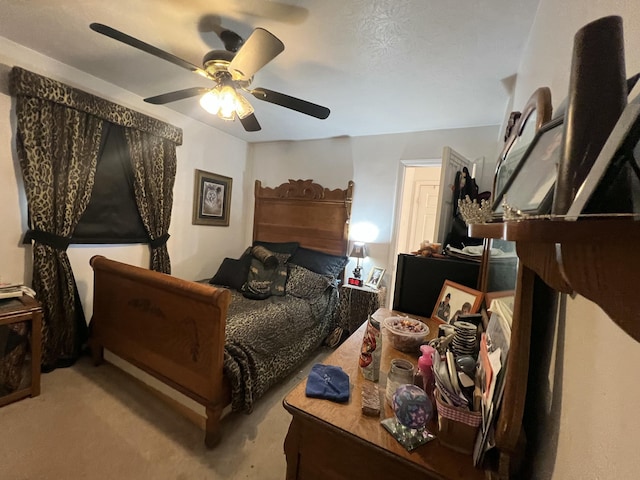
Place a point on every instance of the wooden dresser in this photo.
(328, 440)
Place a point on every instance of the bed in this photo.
(210, 342)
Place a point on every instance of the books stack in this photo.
(10, 290)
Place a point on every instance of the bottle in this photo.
(425, 368)
(371, 350)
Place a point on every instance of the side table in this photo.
(332, 441)
(356, 304)
(20, 348)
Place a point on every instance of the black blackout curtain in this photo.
(57, 140)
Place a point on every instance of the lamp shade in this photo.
(359, 250)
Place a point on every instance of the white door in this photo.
(423, 215)
(452, 162)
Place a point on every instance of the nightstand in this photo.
(20, 348)
(356, 304)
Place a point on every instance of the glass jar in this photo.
(400, 373)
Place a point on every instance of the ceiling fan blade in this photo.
(145, 47)
(250, 123)
(293, 103)
(177, 95)
(259, 49)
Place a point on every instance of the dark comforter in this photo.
(267, 339)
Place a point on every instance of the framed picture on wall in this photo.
(211, 199)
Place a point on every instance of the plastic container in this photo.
(406, 334)
(425, 368)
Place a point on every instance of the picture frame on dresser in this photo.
(530, 189)
(505, 295)
(456, 299)
(521, 131)
(211, 199)
(603, 189)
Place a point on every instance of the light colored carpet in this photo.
(98, 423)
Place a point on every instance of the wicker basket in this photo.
(458, 427)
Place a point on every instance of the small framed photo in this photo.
(211, 199)
(456, 300)
(375, 277)
(507, 296)
(530, 187)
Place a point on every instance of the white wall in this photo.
(374, 164)
(196, 251)
(597, 431)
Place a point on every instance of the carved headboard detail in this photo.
(304, 212)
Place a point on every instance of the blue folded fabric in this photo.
(328, 382)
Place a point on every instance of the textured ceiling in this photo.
(380, 66)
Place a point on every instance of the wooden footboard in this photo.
(172, 329)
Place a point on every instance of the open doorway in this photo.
(424, 203)
(416, 209)
(419, 207)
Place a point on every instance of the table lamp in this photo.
(359, 251)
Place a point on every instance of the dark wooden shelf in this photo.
(595, 258)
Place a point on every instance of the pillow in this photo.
(319, 262)
(232, 272)
(266, 279)
(303, 283)
(279, 247)
(266, 256)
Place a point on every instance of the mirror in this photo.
(535, 113)
(502, 266)
(499, 265)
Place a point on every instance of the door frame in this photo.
(397, 213)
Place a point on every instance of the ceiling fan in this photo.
(231, 70)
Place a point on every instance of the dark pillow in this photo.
(303, 283)
(264, 280)
(279, 247)
(319, 262)
(232, 272)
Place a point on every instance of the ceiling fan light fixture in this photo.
(243, 107)
(225, 102)
(210, 101)
(231, 70)
(228, 103)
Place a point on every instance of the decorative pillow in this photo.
(266, 279)
(304, 283)
(279, 247)
(319, 262)
(232, 272)
(266, 256)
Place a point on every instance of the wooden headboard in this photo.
(304, 212)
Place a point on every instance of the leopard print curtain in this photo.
(58, 139)
(154, 171)
(58, 151)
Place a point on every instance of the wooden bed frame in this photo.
(174, 329)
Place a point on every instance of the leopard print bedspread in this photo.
(267, 339)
